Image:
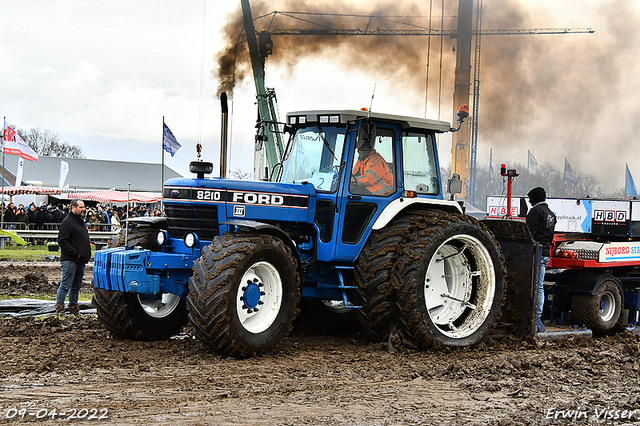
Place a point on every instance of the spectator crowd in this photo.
(49, 216)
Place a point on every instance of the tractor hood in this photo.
(242, 199)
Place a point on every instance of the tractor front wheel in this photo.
(139, 316)
(243, 294)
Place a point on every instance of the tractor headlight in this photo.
(162, 237)
(190, 239)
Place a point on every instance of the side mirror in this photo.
(260, 136)
(366, 136)
(455, 185)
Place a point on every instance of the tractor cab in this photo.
(363, 166)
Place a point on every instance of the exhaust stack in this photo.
(223, 135)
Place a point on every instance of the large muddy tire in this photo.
(243, 294)
(138, 316)
(376, 281)
(453, 281)
(601, 311)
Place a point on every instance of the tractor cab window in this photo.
(419, 163)
(373, 169)
(314, 156)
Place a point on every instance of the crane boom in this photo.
(433, 32)
(271, 138)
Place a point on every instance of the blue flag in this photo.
(629, 184)
(169, 142)
(569, 176)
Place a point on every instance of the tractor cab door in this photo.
(316, 157)
(371, 182)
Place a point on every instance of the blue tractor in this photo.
(234, 258)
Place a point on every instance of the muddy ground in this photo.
(33, 278)
(313, 378)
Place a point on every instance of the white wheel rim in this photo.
(257, 312)
(159, 307)
(459, 287)
(607, 306)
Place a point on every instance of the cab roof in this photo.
(343, 116)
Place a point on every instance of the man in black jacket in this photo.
(541, 222)
(75, 249)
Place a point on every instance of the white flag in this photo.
(533, 163)
(64, 170)
(12, 143)
(19, 172)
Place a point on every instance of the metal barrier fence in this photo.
(99, 232)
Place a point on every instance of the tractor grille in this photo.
(185, 218)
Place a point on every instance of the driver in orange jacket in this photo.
(371, 171)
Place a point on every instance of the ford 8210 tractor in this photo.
(376, 234)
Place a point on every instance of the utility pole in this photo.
(476, 104)
(460, 144)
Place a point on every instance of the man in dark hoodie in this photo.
(75, 249)
(541, 222)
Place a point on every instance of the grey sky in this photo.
(103, 74)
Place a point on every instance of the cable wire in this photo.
(202, 55)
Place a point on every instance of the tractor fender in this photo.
(589, 281)
(399, 204)
(264, 228)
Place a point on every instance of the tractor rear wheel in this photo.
(377, 284)
(453, 281)
(243, 294)
(139, 316)
(601, 311)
